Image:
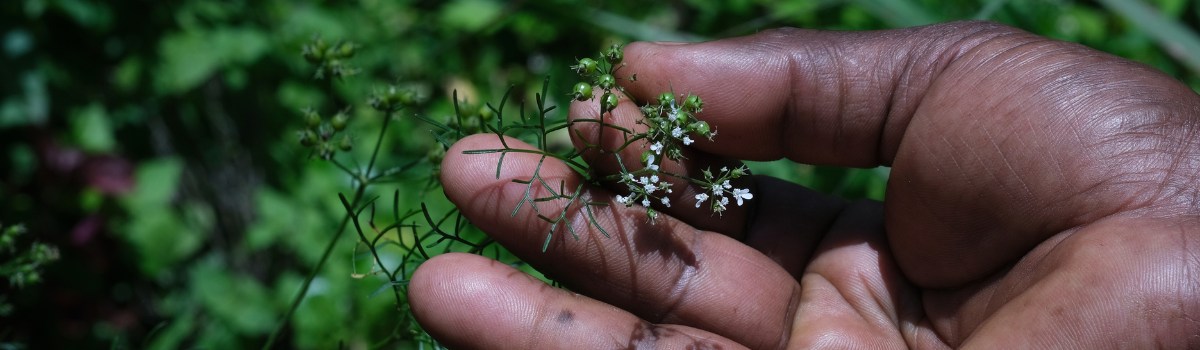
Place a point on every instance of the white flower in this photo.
(624, 200)
(645, 202)
(724, 169)
(653, 178)
(687, 140)
(742, 194)
(657, 147)
(650, 163)
(726, 184)
(719, 206)
(677, 132)
(666, 202)
(700, 198)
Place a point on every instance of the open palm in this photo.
(1042, 194)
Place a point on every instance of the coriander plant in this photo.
(671, 124)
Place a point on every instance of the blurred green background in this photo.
(153, 144)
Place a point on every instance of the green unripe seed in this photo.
(346, 50)
(682, 117)
(614, 55)
(308, 138)
(606, 81)
(485, 113)
(700, 128)
(693, 103)
(407, 98)
(312, 55)
(586, 66)
(344, 144)
(666, 99)
(311, 118)
(609, 101)
(339, 121)
(582, 91)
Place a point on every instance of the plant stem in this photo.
(358, 194)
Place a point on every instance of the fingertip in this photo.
(454, 293)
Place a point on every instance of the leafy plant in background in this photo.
(21, 266)
(155, 146)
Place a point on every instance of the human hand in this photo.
(1042, 194)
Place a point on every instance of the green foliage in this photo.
(21, 265)
(230, 224)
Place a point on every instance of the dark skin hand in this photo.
(1042, 195)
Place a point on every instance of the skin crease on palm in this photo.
(1042, 195)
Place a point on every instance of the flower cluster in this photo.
(331, 60)
(719, 190)
(601, 73)
(646, 190)
(320, 133)
(671, 125)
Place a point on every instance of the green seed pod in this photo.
(606, 81)
(650, 111)
(700, 128)
(326, 150)
(339, 121)
(586, 66)
(582, 91)
(486, 113)
(609, 101)
(345, 49)
(666, 99)
(407, 98)
(312, 55)
(379, 103)
(311, 118)
(614, 55)
(682, 117)
(344, 144)
(308, 138)
(693, 103)
(314, 52)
